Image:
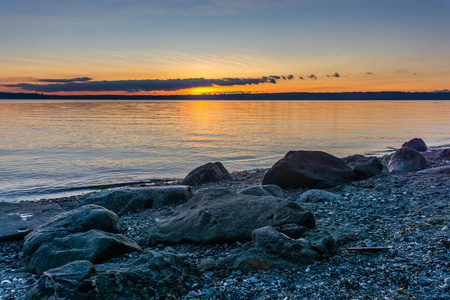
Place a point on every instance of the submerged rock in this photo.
(19, 219)
(210, 172)
(364, 166)
(407, 159)
(218, 215)
(308, 169)
(416, 144)
(132, 199)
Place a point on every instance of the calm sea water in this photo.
(51, 147)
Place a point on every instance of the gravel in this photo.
(408, 214)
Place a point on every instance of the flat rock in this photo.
(437, 170)
(81, 219)
(416, 144)
(19, 219)
(219, 215)
(319, 196)
(308, 169)
(407, 159)
(157, 275)
(132, 199)
(364, 166)
(95, 246)
(264, 190)
(207, 173)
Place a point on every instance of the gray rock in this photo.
(364, 166)
(154, 276)
(264, 190)
(319, 196)
(308, 169)
(437, 170)
(210, 172)
(416, 144)
(19, 219)
(207, 264)
(423, 280)
(132, 199)
(219, 215)
(81, 219)
(94, 246)
(444, 154)
(312, 245)
(407, 159)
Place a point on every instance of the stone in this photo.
(308, 169)
(81, 219)
(319, 196)
(312, 245)
(364, 166)
(19, 219)
(157, 275)
(264, 190)
(207, 173)
(95, 246)
(219, 215)
(407, 159)
(207, 264)
(416, 144)
(437, 170)
(131, 199)
(444, 154)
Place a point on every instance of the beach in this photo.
(406, 214)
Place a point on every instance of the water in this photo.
(53, 147)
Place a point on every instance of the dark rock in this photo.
(416, 144)
(319, 196)
(364, 166)
(210, 172)
(264, 190)
(308, 169)
(75, 280)
(157, 275)
(94, 246)
(444, 154)
(18, 219)
(81, 219)
(218, 215)
(407, 159)
(132, 199)
(207, 264)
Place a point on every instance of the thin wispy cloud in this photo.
(78, 79)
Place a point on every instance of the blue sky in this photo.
(373, 45)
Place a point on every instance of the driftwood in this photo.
(368, 249)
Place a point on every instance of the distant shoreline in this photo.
(243, 97)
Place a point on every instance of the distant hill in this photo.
(437, 95)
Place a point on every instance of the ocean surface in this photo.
(59, 148)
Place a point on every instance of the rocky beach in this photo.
(369, 228)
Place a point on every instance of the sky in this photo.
(210, 46)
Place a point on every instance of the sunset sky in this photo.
(201, 46)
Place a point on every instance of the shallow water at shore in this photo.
(73, 146)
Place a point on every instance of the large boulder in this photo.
(157, 275)
(417, 144)
(218, 215)
(95, 246)
(264, 190)
(210, 172)
(364, 166)
(407, 159)
(19, 219)
(308, 169)
(81, 219)
(132, 199)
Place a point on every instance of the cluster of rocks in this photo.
(209, 237)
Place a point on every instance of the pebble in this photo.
(424, 281)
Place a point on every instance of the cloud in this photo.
(78, 79)
(369, 73)
(138, 85)
(301, 78)
(312, 76)
(275, 77)
(290, 77)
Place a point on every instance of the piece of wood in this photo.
(368, 249)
